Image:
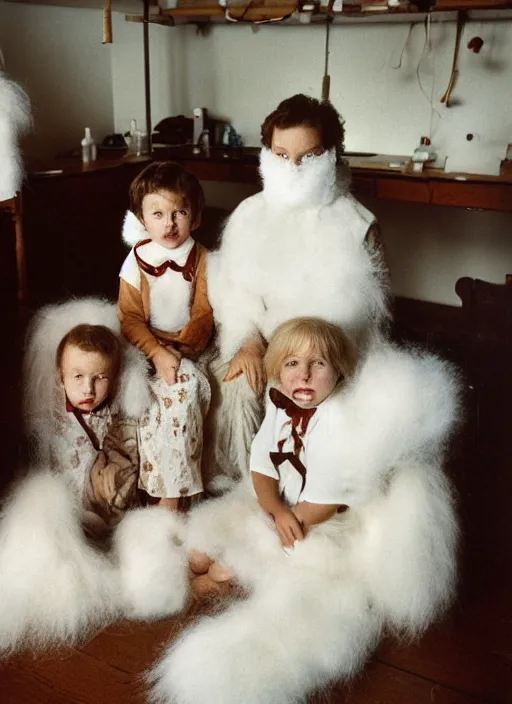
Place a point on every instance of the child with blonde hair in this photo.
(346, 531)
(295, 479)
(164, 311)
(294, 476)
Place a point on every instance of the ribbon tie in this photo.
(299, 419)
(187, 270)
(81, 420)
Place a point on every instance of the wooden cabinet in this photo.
(72, 231)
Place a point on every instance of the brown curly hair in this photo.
(301, 109)
(167, 176)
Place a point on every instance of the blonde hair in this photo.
(328, 340)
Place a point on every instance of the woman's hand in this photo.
(248, 360)
(288, 526)
(166, 365)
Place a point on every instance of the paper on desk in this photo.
(486, 166)
(475, 156)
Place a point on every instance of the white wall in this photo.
(241, 75)
(57, 55)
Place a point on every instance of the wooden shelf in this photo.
(363, 9)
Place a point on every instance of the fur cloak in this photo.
(388, 563)
(56, 587)
(15, 121)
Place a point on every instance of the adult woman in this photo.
(302, 246)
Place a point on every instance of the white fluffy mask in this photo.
(310, 184)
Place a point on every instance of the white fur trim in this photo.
(42, 392)
(153, 568)
(55, 588)
(15, 120)
(309, 185)
(133, 230)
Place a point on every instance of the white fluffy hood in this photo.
(42, 391)
(133, 230)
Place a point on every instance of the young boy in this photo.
(92, 445)
(164, 311)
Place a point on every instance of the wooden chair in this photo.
(14, 207)
(487, 312)
(487, 309)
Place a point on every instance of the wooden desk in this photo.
(371, 176)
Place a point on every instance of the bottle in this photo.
(89, 150)
(423, 154)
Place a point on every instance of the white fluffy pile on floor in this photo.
(15, 120)
(57, 589)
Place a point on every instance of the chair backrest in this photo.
(487, 309)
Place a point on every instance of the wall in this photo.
(379, 74)
(57, 55)
(235, 69)
(241, 74)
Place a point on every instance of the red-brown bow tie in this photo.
(187, 270)
(299, 417)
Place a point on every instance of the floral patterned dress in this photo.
(171, 434)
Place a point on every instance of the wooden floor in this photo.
(466, 659)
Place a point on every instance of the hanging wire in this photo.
(399, 64)
(326, 81)
(427, 48)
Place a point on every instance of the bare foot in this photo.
(219, 573)
(199, 562)
(204, 586)
(170, 504)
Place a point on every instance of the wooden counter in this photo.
(372, 176)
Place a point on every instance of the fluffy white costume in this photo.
(295, 249)
(15, 120)
(55, 586)
(387, 563)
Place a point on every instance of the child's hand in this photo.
(166, 365)
(288, 527)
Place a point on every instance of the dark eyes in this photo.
(179, 213)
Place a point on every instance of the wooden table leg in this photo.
(20, 250)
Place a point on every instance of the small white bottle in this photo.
(423, 154)
(89, 151)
